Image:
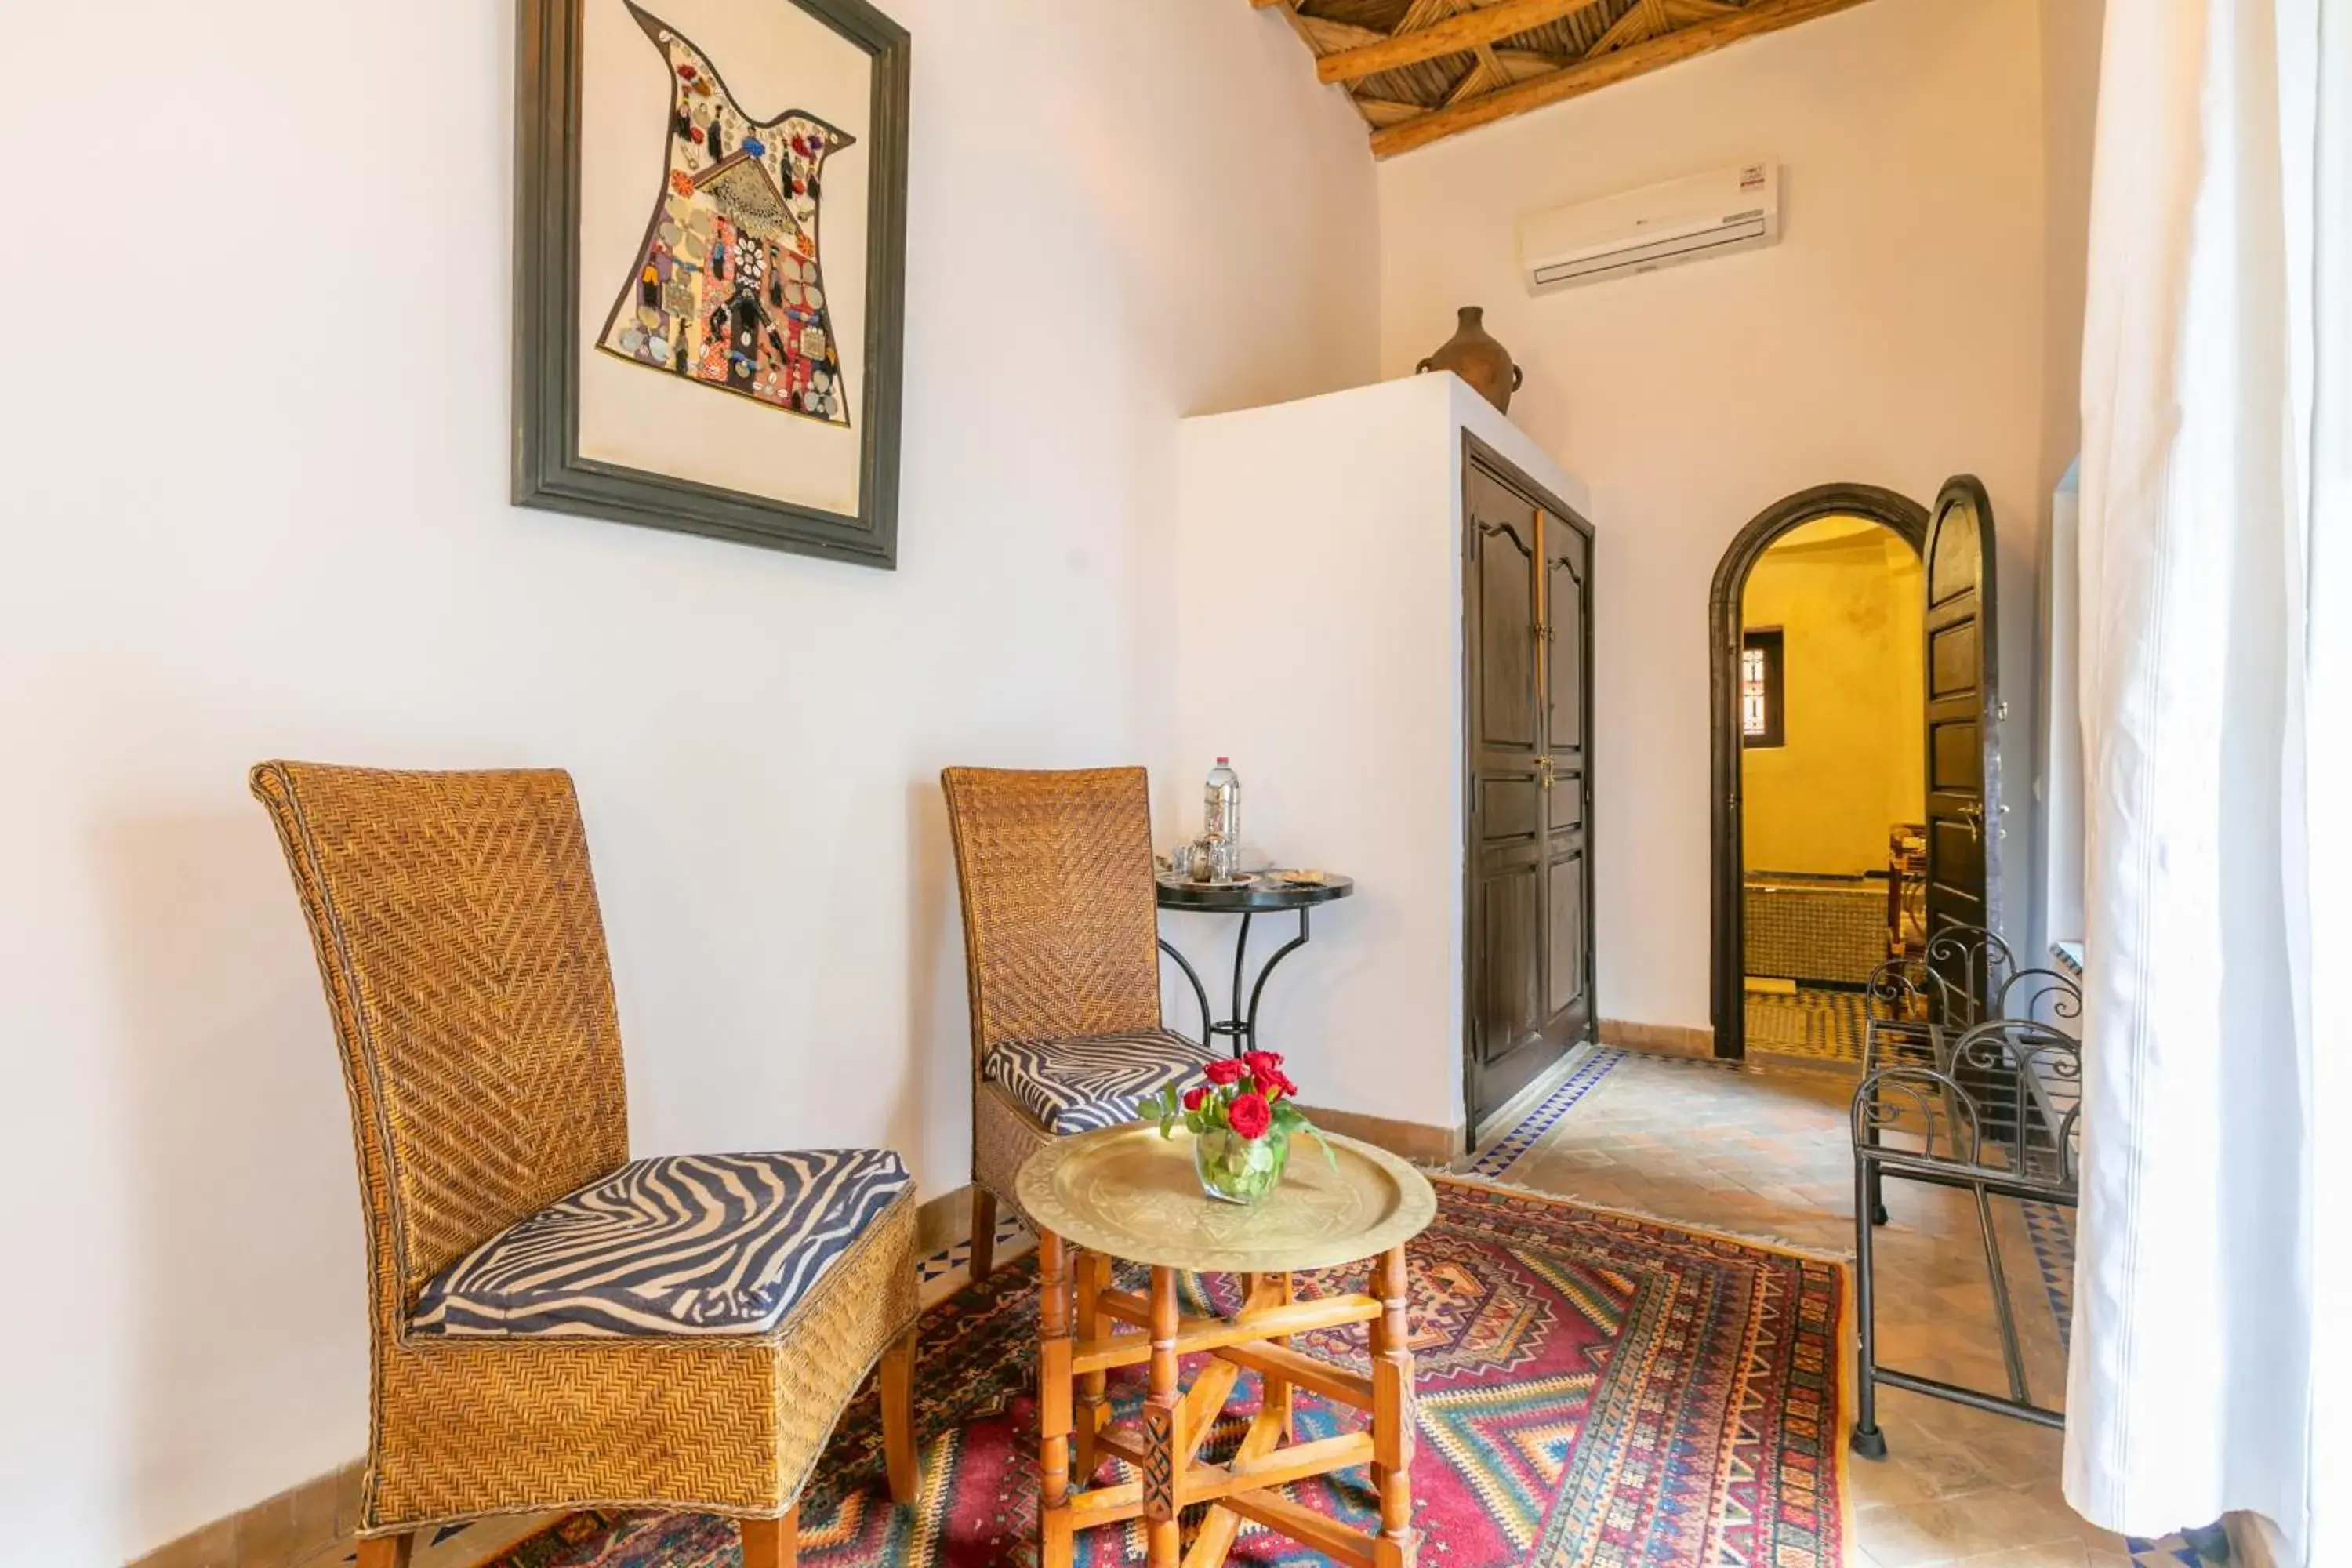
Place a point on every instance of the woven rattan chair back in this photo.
(458, 934)
(1060, 922)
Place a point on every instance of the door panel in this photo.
(1960, 708)
(1509, 1006)
(1566, 806)
(1507, 714)
(1564, 645)
(1952, 660)
(1564, 967)
(1955, 757)
(1506, 819)
(1568, 909)
(1515, 810)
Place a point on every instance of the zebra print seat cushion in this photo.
(1088, 1082)
(692, 1244)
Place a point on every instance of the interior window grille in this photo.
(1761, 716)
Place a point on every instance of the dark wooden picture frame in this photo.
(549, 470)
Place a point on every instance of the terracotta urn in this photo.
(1475, 356)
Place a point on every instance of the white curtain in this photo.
(2216, 621)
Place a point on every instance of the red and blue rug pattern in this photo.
(1595, 1391)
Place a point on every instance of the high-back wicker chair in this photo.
(1061, 946)
(459, 938)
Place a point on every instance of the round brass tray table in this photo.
(1125, 1192)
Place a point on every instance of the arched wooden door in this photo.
(1963, 707)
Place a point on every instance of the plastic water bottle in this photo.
(1221, 803)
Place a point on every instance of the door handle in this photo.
(1972, 813)
(1544, 776)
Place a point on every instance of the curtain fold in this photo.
(2213, 615)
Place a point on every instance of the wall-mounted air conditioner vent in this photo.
(1659, 225)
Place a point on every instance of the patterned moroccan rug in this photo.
(1594, 1390)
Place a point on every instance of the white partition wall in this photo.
(1315, 591)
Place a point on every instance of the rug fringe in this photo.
(1759, 1240)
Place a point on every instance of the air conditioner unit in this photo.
(1659, 225)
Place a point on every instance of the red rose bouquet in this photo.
(1242, 1120)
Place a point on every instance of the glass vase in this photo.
(1237, 1170)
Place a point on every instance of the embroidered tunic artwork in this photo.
(727, 289)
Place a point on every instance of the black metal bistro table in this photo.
(1269, 893)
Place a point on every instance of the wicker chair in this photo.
(1061, 947)
(459, 939)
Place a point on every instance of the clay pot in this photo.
(1477, 359)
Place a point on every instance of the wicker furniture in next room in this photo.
(1061, 940)
(551, 1324)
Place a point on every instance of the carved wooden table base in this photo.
(1117, 1328)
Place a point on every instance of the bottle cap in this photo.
(1222, 760)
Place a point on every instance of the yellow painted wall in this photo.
(1845, 595)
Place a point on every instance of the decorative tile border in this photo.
(1507, 1150)
(1012, 1236)
(2205, 1548)
(2051, 1230)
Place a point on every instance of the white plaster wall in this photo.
(1896, 335)
(1316, 604)
(253, 462)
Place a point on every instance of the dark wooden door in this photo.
(1961, 707)
(1568, 659)
(1528, 618)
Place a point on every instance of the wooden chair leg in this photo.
(771, 1542)
(899, 1419)
(983, 1233)
(386, 1551)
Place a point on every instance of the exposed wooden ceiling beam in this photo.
(1589, 75)
(1452, 35)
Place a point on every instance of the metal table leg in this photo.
(1240, 1026)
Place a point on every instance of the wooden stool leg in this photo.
(771, 1542)
(1393, 1415)
(1164, 1449)
(983, 1233)
(1277, 1391)
(1094, 1278)
(386, 1551)
(897, 1389)
(1054, 1539)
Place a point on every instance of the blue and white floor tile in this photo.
(1500, 1156)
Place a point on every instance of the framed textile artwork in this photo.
(710, 267)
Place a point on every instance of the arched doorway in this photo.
(1897, 514)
